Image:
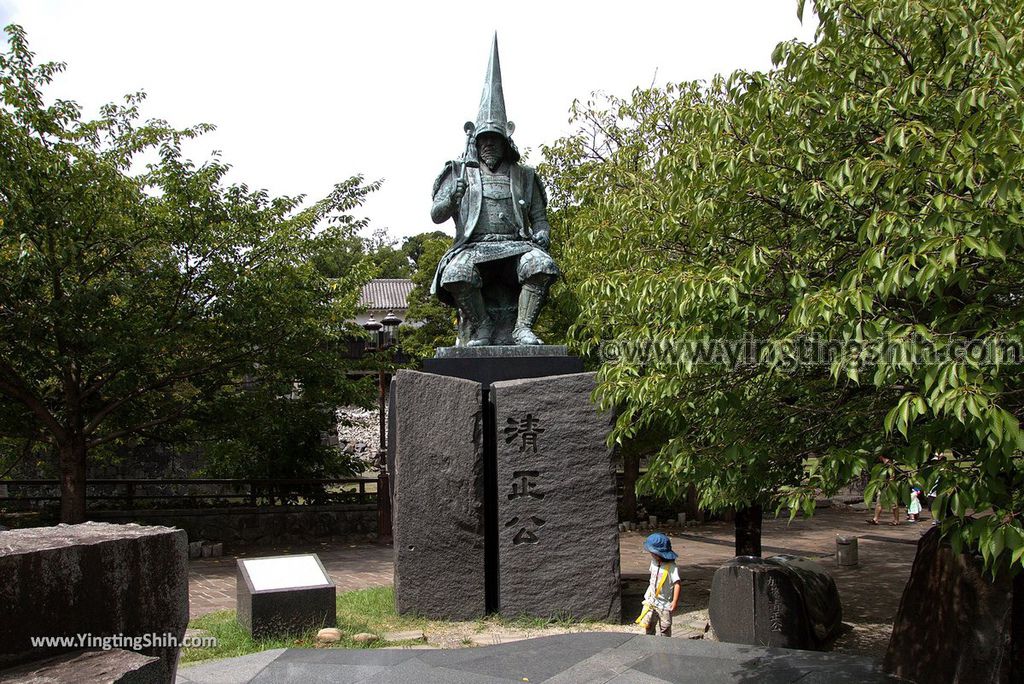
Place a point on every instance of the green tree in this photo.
(129, 303)
(386, 260)
(437, 321)
(865, 192)
(414, 246)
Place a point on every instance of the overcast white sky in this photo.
(305, 94)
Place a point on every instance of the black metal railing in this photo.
(24, 495)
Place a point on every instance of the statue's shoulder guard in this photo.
(446, 171)
(532, 182)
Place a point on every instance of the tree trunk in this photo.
(748, 530)
(692, 506)
(630, 473)
(72, 481)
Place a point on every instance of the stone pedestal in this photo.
(487, 365)
(439, 493)
(558, 537)
(95, 578)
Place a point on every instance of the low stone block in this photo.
(97, 579)
(558, 534)
(114, 666)
(955, 623)
(280, 595)
(781, 601)
(438, 522)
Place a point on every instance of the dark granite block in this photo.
(438, 507)
(269, 609)
(558, 542)
(94, 578)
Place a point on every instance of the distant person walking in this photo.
(889, 477)
(662, 595)
(914, 509)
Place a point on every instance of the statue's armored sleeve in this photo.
(539, 214)
(443, 207)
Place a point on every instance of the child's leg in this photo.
(651, 622)
(664, 622)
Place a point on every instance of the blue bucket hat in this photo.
(660, 544)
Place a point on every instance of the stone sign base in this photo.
(292, 598)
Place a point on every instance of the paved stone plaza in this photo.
(562, 659)
(870, 592)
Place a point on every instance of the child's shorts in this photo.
(659, 622)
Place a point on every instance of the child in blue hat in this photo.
(662, 595)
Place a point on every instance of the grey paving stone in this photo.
(558, 536)
(562, 659)
(417, 672)
(634, 677)
(602, 667)
(535, 660)
(722, 662)
(376, 657)
(673, 668)
(228, 670)
(312, 673)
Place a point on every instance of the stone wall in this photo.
(251, 525)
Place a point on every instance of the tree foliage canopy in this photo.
(130, 301)
(865, 192)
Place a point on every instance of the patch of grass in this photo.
(526, 622)
(365, 610)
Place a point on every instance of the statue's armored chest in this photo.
(496, 186)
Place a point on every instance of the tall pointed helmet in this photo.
(492, 117)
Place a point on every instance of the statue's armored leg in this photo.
(471, 306)
(531, 299)
(462, 279)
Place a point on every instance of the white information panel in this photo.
(286, 572)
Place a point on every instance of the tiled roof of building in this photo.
(386, 293)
